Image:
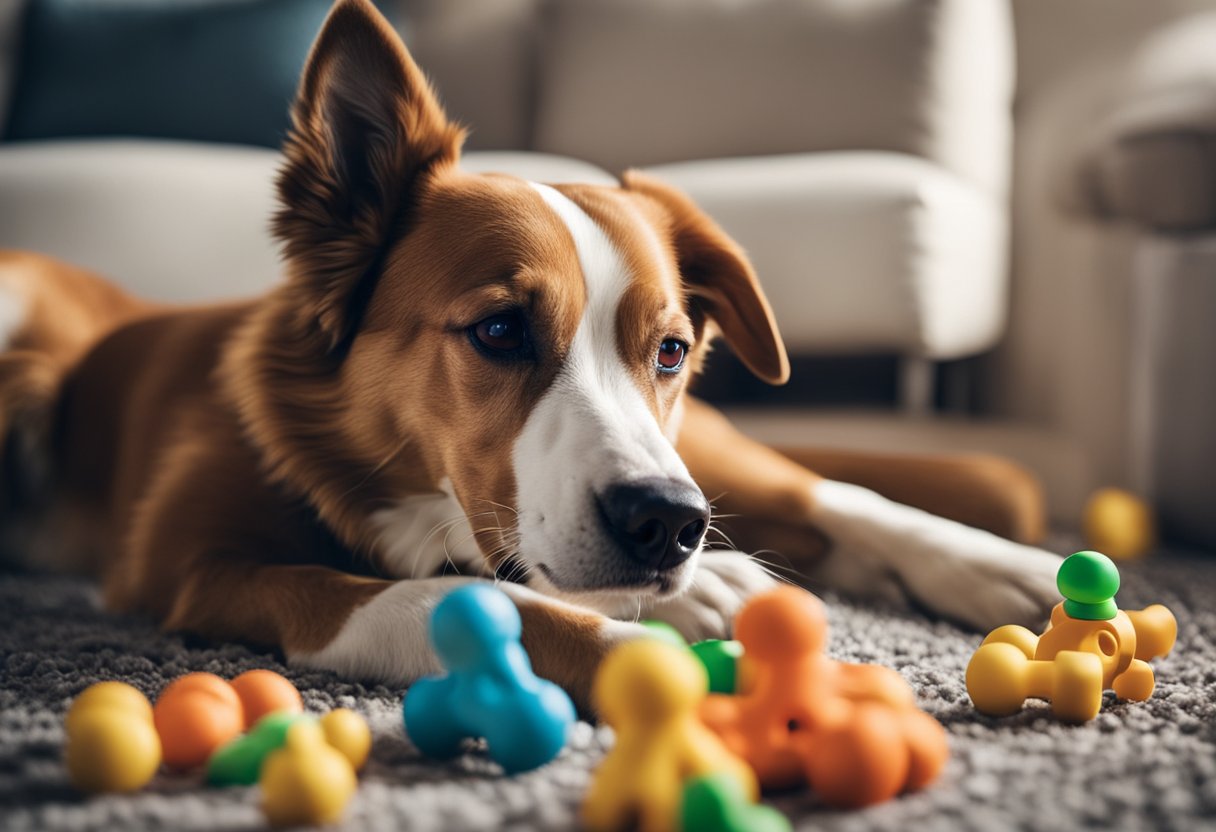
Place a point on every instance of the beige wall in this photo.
(1065, 361)
(1055, 37)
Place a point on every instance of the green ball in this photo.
(1088, 578)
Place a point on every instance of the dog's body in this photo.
(463, 377)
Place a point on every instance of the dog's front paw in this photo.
(723, 583)
(881, 548)
(987, 581)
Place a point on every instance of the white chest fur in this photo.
(426, 535)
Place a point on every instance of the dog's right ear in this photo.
(719, 279)
(366, 128)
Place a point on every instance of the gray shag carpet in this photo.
(1138, 766)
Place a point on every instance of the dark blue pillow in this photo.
(207, 70)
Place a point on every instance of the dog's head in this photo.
(528, 344)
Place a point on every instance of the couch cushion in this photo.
(189, 69)
(640, 82)
(858, 251)
(861, 251)
(538, 167)
(173, 221)
(1152, 159)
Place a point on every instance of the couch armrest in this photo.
(640, 82)
(863, 252)
(1152, 159)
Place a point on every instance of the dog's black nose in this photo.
(659, 522)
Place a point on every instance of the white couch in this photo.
(861, 151)
(871, 194)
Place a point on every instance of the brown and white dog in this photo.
(462, 377)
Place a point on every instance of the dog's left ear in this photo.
(366, 130)
(719, 279)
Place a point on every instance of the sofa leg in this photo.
(916, 385)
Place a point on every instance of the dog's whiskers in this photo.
(499, 505)
(508, 542)
(518, 571)
(443, 525)
(770, 568)
(715, 529)
(470, 536)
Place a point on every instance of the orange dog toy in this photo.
(853, 732)
(265, 692)
(195, 715)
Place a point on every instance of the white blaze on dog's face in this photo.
(520, 346)
(604, 502)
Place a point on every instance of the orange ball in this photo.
(265, 692)
(194, 716)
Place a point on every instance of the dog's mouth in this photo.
(660, 583)
(514, 569)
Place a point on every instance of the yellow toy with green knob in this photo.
(1090, 646)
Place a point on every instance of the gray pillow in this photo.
(10, 26)
(205, 70)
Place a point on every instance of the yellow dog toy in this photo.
(649, 692)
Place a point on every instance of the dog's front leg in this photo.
(368, 628)
(847, 537)
(386, 638)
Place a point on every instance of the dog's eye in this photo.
(504, 333)
(671, 356)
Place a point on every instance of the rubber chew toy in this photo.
(1090, 646)
(195, 715)
(717, 803)
(649, 691)
(853, 732)
(490, 690)
(265, 692)
(1119, 524)
(112, 744)
(306, 782)
(346, 731)
(239, 762)
(722, 659)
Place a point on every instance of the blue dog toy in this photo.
(490, 690)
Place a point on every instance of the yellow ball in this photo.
(117, 695)
(346, 731)
(1119, 524)
(307, 782)
(111, 750)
